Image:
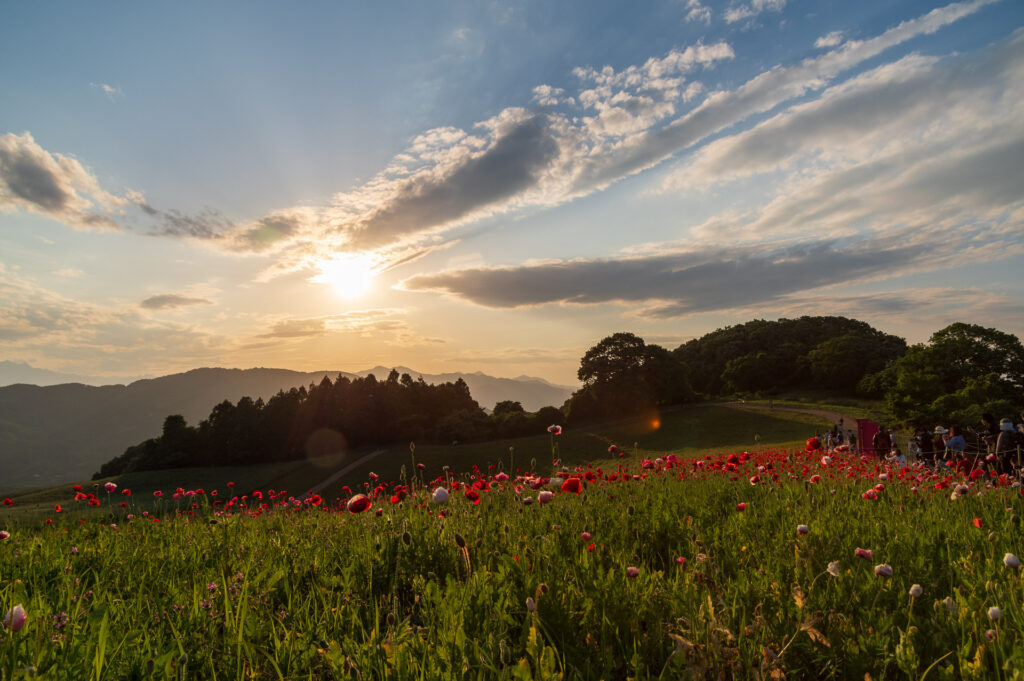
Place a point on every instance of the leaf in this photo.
(798, 596)
(817, 637)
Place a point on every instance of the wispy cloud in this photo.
(752, 9)
(169, 301)
(112, 92)
(697, 11)
(829, 39)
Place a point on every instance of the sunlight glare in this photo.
(349, 276)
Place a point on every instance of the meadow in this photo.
(639, 550)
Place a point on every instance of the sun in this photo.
(350, 276)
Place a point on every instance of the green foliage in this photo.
(761, 356)
(622, 375)
(299, 593)
(963, 371)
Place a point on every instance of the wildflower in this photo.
(439, 496)
(632, 572)
(883, 570)
(977, 523)
(358, 503)
(613, 450)
(473, 495)
(951, 606)
(571, 485)
(57, 508)
(866, 554)
(802, 529)
(8, 502)
(815, 478)
(870, 495)
(1011, 561)
(501, 477)
(110, 487)
(545, 496)
(994, 613)
(990, 634)
(585, 536)
(916, 591)
(555, 430)
(742, 506)
(531, 606)
(4, 534)
(527, 501)
(826, 460)
(680, 560)
(15, 618)
(590, 547)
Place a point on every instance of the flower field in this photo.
(767, 564)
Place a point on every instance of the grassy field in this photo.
(766, 563)
(683, 431)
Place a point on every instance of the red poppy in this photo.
(977, 523)
(473, 495)
(57, 508)
(742, 506)
(359, 503)
(571, 485)
(8, 502)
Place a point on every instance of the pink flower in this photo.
(545, 496)
(585, 536)
(815, 478)
(501, 477)
(632, 572)
(15, 618)
(555, 430)
(866, 554)
(870, 495)
(742, 506)
(110, 487)
(1011, 561)
(802, 529)
(4, 534)
(883, 570)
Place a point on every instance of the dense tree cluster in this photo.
(963, 371)
(830, 353)
(622, 375)
(327, 418)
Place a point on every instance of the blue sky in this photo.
(497, 186)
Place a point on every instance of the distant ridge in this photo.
(58, 433)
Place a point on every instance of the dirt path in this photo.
(352, 466)
(849, 421)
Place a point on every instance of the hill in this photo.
(54, 434)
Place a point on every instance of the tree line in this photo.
(963, 370)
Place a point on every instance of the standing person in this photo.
(989, 432)
(939, 442)
(881, 442)
(927, 447)
(1006, 446)
(851, 439)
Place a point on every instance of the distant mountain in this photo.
(21, 372)
(532, 393)
(58, 433)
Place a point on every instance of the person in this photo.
(881, 442)
(989, 432)
(927, 446)
(851, 439)
(896, 456)
(956, 445)
(914, 447)
(1006, 446)
(939, 443)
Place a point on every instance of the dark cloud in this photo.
(675, 284)
(51, 184)
(171, 300)
(510, 166)
(207, 224)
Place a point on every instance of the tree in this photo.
(615, 359)
(962, 371)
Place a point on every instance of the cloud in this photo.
(829, 39)
(695, 11)
(53, 185)
(68, 272)
(169, 301)
(112, 92)
(741, 12)
(685, 282)
(361, 322)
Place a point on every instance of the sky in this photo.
(497, 186)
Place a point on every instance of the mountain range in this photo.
(59, 433)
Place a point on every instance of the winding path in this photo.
(849, 420)
(337, 474)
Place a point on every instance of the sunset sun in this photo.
(349, 276)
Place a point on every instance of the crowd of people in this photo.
(996, 444)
